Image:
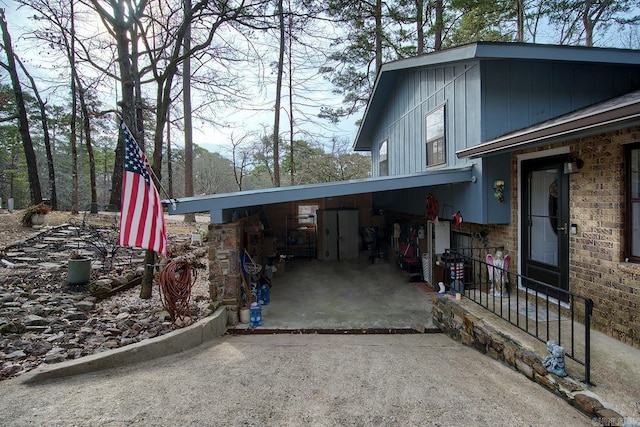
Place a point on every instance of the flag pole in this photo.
(153, 173)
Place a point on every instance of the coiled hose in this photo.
(176, 281)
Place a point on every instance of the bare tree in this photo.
(577, 19)
(23, 121)
(53, 194)
(276, 119)
(240, 157)
(188, 126)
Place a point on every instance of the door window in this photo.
(543, 220)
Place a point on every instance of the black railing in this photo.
(545, 312)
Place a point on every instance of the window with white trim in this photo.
(383, 164)
(435, 136)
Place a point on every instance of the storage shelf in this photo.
(301, 239)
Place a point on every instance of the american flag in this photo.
(142, 219)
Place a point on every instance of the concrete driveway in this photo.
(293, 380)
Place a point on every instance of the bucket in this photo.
(78, 271)
(244, 315)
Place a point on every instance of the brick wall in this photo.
(597, 268)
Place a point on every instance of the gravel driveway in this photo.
(318, 380)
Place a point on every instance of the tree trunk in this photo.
(47, 139)
(169, 159)
(291, 129)
(378, 31)
(520, 20)
(74, 116)
(121, 29)
(439, 26)
(188, 126)
(23, 121)
(420, 26)
(89, 144)
(276, 120)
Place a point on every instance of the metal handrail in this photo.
(546, 307)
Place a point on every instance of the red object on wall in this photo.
(432, 207)
(457, 219)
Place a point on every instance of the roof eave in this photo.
(586, 121)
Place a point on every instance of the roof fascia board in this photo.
(216, 203)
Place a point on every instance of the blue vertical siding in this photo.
(416, 93)
(517, 94)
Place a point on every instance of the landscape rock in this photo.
(45, 320)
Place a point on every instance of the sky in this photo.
(256, 116)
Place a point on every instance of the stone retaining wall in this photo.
(459, 324)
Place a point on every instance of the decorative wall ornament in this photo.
(498, 190)
(432, 207)
(457, 219)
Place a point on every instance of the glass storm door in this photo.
(545, 217)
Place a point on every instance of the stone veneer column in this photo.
(224, 264)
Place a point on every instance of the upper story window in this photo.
(383, 163)
(435, 137)
(632, 224)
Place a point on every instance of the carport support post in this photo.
(224, 266)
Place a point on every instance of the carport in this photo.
(310, 291)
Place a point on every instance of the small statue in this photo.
(498, 283)
(498, 273)
(554, 362)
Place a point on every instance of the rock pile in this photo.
(43, 320)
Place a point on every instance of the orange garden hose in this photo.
(176, 281)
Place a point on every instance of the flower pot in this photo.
(78, 271)
(37, 220)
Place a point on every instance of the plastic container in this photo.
(255, 315)
(244, 315)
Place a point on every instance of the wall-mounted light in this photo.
(572, 164)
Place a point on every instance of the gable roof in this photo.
(390, 72)
(608, 115)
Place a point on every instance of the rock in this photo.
(100, 287)
(40, 348)
(55, 358)
(74, 353)
(122, 316)
(587, 404)
(18, 354)
(56, 337)
(127, 341)
(84, 305)
(54, 351)
(35, 320)
(111, 344)
(10, 370)
(6, 298)
(76, 316)
(12, 328)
